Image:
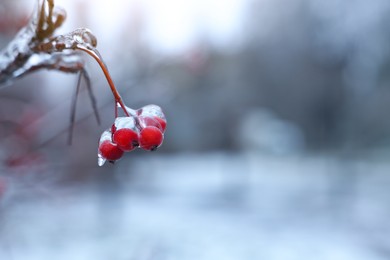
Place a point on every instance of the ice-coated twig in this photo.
(19, 57)
(35, 48)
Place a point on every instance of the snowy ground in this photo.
(210, 206)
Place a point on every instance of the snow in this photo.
(209, 206)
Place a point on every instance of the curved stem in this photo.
(114, 91)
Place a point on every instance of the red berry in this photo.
(125, 133)
(155, 112)
(162, 122)
(145, 121)
(107, 149)
(150, 138)
(126, 139)
(110, 151)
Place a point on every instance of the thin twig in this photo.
(73, 108)
(91, 95)
(82, 74)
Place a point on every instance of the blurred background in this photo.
(277, 145)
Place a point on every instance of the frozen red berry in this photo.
(145, 121)
(162, 122)
(107, 149)
(150, 138)
(125, 133)
(153, 112)
(126, 139)
(110, 151)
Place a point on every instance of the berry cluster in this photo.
(143, 128)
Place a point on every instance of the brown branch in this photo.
(95, 54)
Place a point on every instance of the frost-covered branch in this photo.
(35, 47)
